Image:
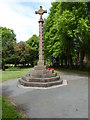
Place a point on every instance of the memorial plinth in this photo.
(40, 77)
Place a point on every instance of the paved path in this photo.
(69, 101)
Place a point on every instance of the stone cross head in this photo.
(40, 12)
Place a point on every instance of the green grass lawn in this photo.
(9, 110)
(14, 73)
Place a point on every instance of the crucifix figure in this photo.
(41, 45)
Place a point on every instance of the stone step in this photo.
(29, 79)
(43, 75)
(39, 74)
(40, 84)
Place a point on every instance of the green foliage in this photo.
(0, 46)
(33, 44)
(21, 53)
(7, 36)
(66, 32)
(8, 40)
(18, 53)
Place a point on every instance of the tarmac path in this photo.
(70, 101)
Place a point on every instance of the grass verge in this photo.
(9, 110)
(14, 73)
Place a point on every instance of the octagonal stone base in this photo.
(40, 77)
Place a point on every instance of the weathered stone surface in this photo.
(40, 77)
(40, 84)
(32, 79)
(40, 67)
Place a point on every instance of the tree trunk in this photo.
(3, 67)
(66, 61)
(71, 62)
(81, 59)
(23, 64)
(32, 64)
(15, 65)
(61, 62)
(57, 61)
(77, 60)
(52, 62)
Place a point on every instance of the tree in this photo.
(8, 40)
(33, 44)
(0, 48)
(66, 32)
(21, 53)
(49, 33)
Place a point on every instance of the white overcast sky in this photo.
(20, 16)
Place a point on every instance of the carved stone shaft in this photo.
(41, 44)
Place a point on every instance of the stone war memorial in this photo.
(39, 76)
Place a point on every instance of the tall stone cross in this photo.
(41, 44)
